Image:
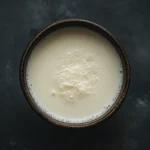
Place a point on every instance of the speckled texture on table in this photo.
(21, 128)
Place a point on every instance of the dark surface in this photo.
(21, 128)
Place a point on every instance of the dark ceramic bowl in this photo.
(92, 26)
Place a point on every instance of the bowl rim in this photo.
(112, 39)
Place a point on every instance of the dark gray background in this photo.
(23, 129)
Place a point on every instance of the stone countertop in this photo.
(21, 128)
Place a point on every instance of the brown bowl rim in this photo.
(115, 43)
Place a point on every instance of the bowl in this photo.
(70, 23)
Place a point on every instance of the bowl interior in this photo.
(80, 23)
